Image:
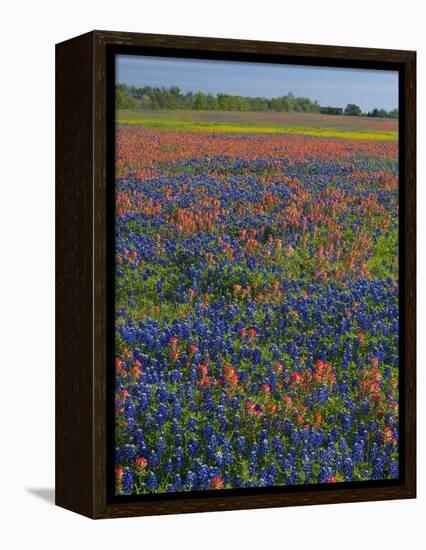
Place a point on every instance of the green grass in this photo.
(384, 261)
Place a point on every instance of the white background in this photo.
(28, 34)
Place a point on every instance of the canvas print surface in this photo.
(256, 275)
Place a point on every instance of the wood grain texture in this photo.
(74, 276)
(81, 293)
(100, 277)
(236, 46)
(409, 290)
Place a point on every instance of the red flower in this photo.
(192, 348)
(119, 367)
(216, 482)
(119, 476)
(323, 373)
(136, 370)
(230, 376)
(202, 371)
(271, 408)
(203, 375)
(254, 409)
(287, 402)
(297, 378)
(317, 419)
(141, 464)
(299, 419)
(331, 479)
(124, 394)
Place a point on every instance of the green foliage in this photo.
(384, 261)
(352, 109)
(124, 100)
(152, 98)
(382, 113)
(149, 97)
(331, 110)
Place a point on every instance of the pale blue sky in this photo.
(330, 86)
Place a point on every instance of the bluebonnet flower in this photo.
(127, 483)
(264, 447)
(393, 469)
(348, 469)
(129, 452)
(151, 481)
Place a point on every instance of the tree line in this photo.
(354, 110)
(149, 97)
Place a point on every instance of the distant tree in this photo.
(175, 91)
(331, 110)
(200, 100)
(279, 104)
(303, 104)
(259, 104)
(291, 100)
(124, 100)
(374, 113)
(352, 109)
(316, 107)
(382, 113)
(223, 102)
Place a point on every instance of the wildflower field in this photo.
(256, 301)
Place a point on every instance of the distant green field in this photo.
(264, 122)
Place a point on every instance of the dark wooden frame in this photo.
(81, 272)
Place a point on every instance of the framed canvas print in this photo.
(235, 241)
